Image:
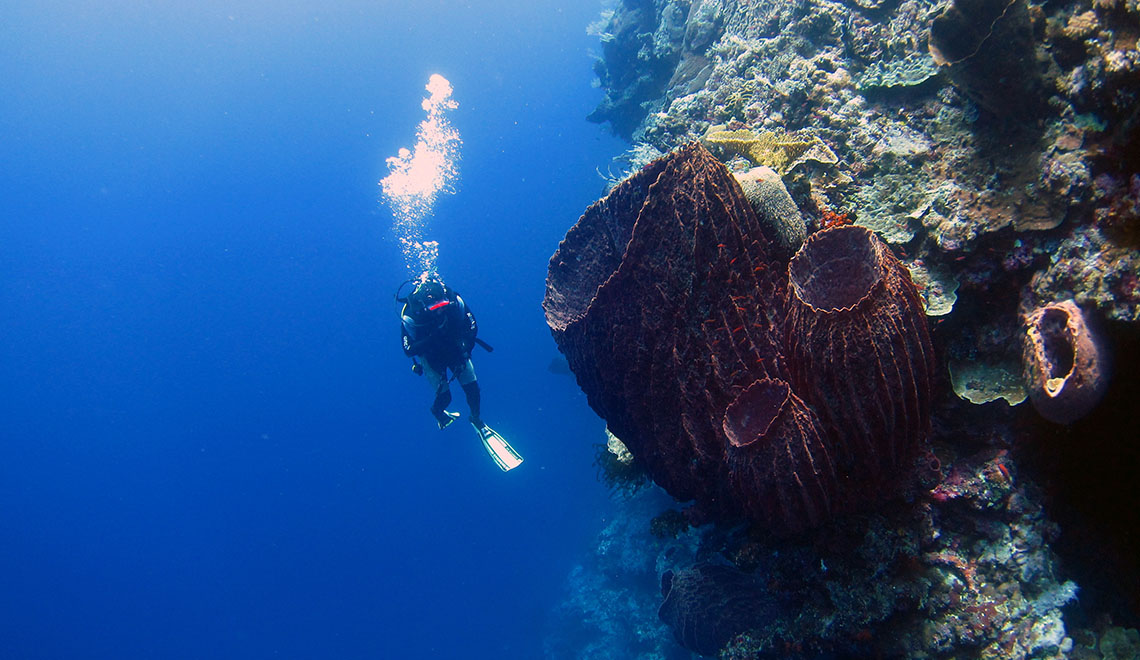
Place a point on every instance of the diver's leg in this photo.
(442, 394)
(442, 399)
(472, 391)
(465, 374)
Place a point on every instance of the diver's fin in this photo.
(447, 419)
(500, 451)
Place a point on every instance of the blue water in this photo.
(211, 444)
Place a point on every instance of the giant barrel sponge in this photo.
(673, 312)
(858, 350)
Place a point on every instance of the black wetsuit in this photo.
(443, 338)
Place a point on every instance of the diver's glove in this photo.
(417, 368)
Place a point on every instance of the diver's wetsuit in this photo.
(443, 338)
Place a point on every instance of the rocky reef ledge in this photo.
(992, 147)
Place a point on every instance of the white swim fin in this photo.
(499, 449)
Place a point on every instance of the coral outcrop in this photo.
(993, 146)
(782, 401)
(612, 595)
(939, 160)
(646, 50)
(1066, 366)
(966, 570)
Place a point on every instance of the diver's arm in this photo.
(467, 327)
(406, 343)
(412, 345)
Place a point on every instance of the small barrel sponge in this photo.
(779, 216)
(709, 604)
(779, 466)
(859, 352)
(1066, 367)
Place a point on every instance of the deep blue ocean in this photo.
(211, 444)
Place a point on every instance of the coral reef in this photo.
(994, 147)
(1066, 366)
(1091, 269)
(611, 597)
(916, 161)
(965, 570)
(646, 50)
(702, 359)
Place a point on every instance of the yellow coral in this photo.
(618, 449)
(779, 151)
(1081, 26)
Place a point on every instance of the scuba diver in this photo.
(437, 326)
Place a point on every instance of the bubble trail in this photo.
(417, 176)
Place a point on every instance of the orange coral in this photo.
(829, 219)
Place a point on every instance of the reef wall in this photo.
(993, 148)
(966, 166)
